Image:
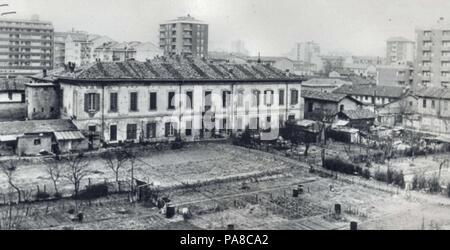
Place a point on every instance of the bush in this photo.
(41, 195)
(340, 166)
(366, 173)
(398, 179)
(177, 144)
(448, 189)
(380, 176)
(418, 182)
(433, 185)
(94, 191)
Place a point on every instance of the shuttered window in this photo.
(133, 101)
(268, 97)
(131, 131)
(171, 100)
(208, 101)
(226, 98)
(113, 102)
(91, 102)
(113, 133)
(170, 129)
(294, 97)
(153, 101)
(151, 130)
(255, 98)
(188, 128)
(189, 100)
(281, 97)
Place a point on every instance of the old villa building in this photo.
(160, 99)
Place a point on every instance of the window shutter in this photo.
(86, 102)
(167, 129)
(97, 102)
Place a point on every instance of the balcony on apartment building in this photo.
(187, 35)
(446, 35)
(445, 65)
(427, 35)
(445, 55)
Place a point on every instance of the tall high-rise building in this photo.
(307, 51)
(26, 47)
(399, 50)
(432, 64)
(184, 36)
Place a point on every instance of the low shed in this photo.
(34, 137)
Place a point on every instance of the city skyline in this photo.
(358, 27)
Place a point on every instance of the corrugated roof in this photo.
(68, 135)
(35, 126)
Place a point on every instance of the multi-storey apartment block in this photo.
(117, 52)
(160, 99)
(432, 66)
(26, 47)
(399, 50)
(184, 36)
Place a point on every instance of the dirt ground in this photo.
(263, 202)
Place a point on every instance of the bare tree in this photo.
(9, 168)
(54, 170)
(327, 117)
(132, 157)
(115, 161)
(12, 216)
(76, 170)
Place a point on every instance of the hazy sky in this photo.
(267, 26)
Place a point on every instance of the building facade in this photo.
(160, 100)
(399, 50)
(431, 111)
(320, 104)
(432, 66)
(184, 36)
(12, 99)
(401, 75)
(26, 47)
(42, 101)
(372, 95)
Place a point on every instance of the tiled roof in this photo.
(359, 114)
(325, 81)
(35, 126)
(318, 95)
(433, 92)
(370, 90)
(169, 69)
(13, 84)
(80, 37)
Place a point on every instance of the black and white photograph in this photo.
(224, 115)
